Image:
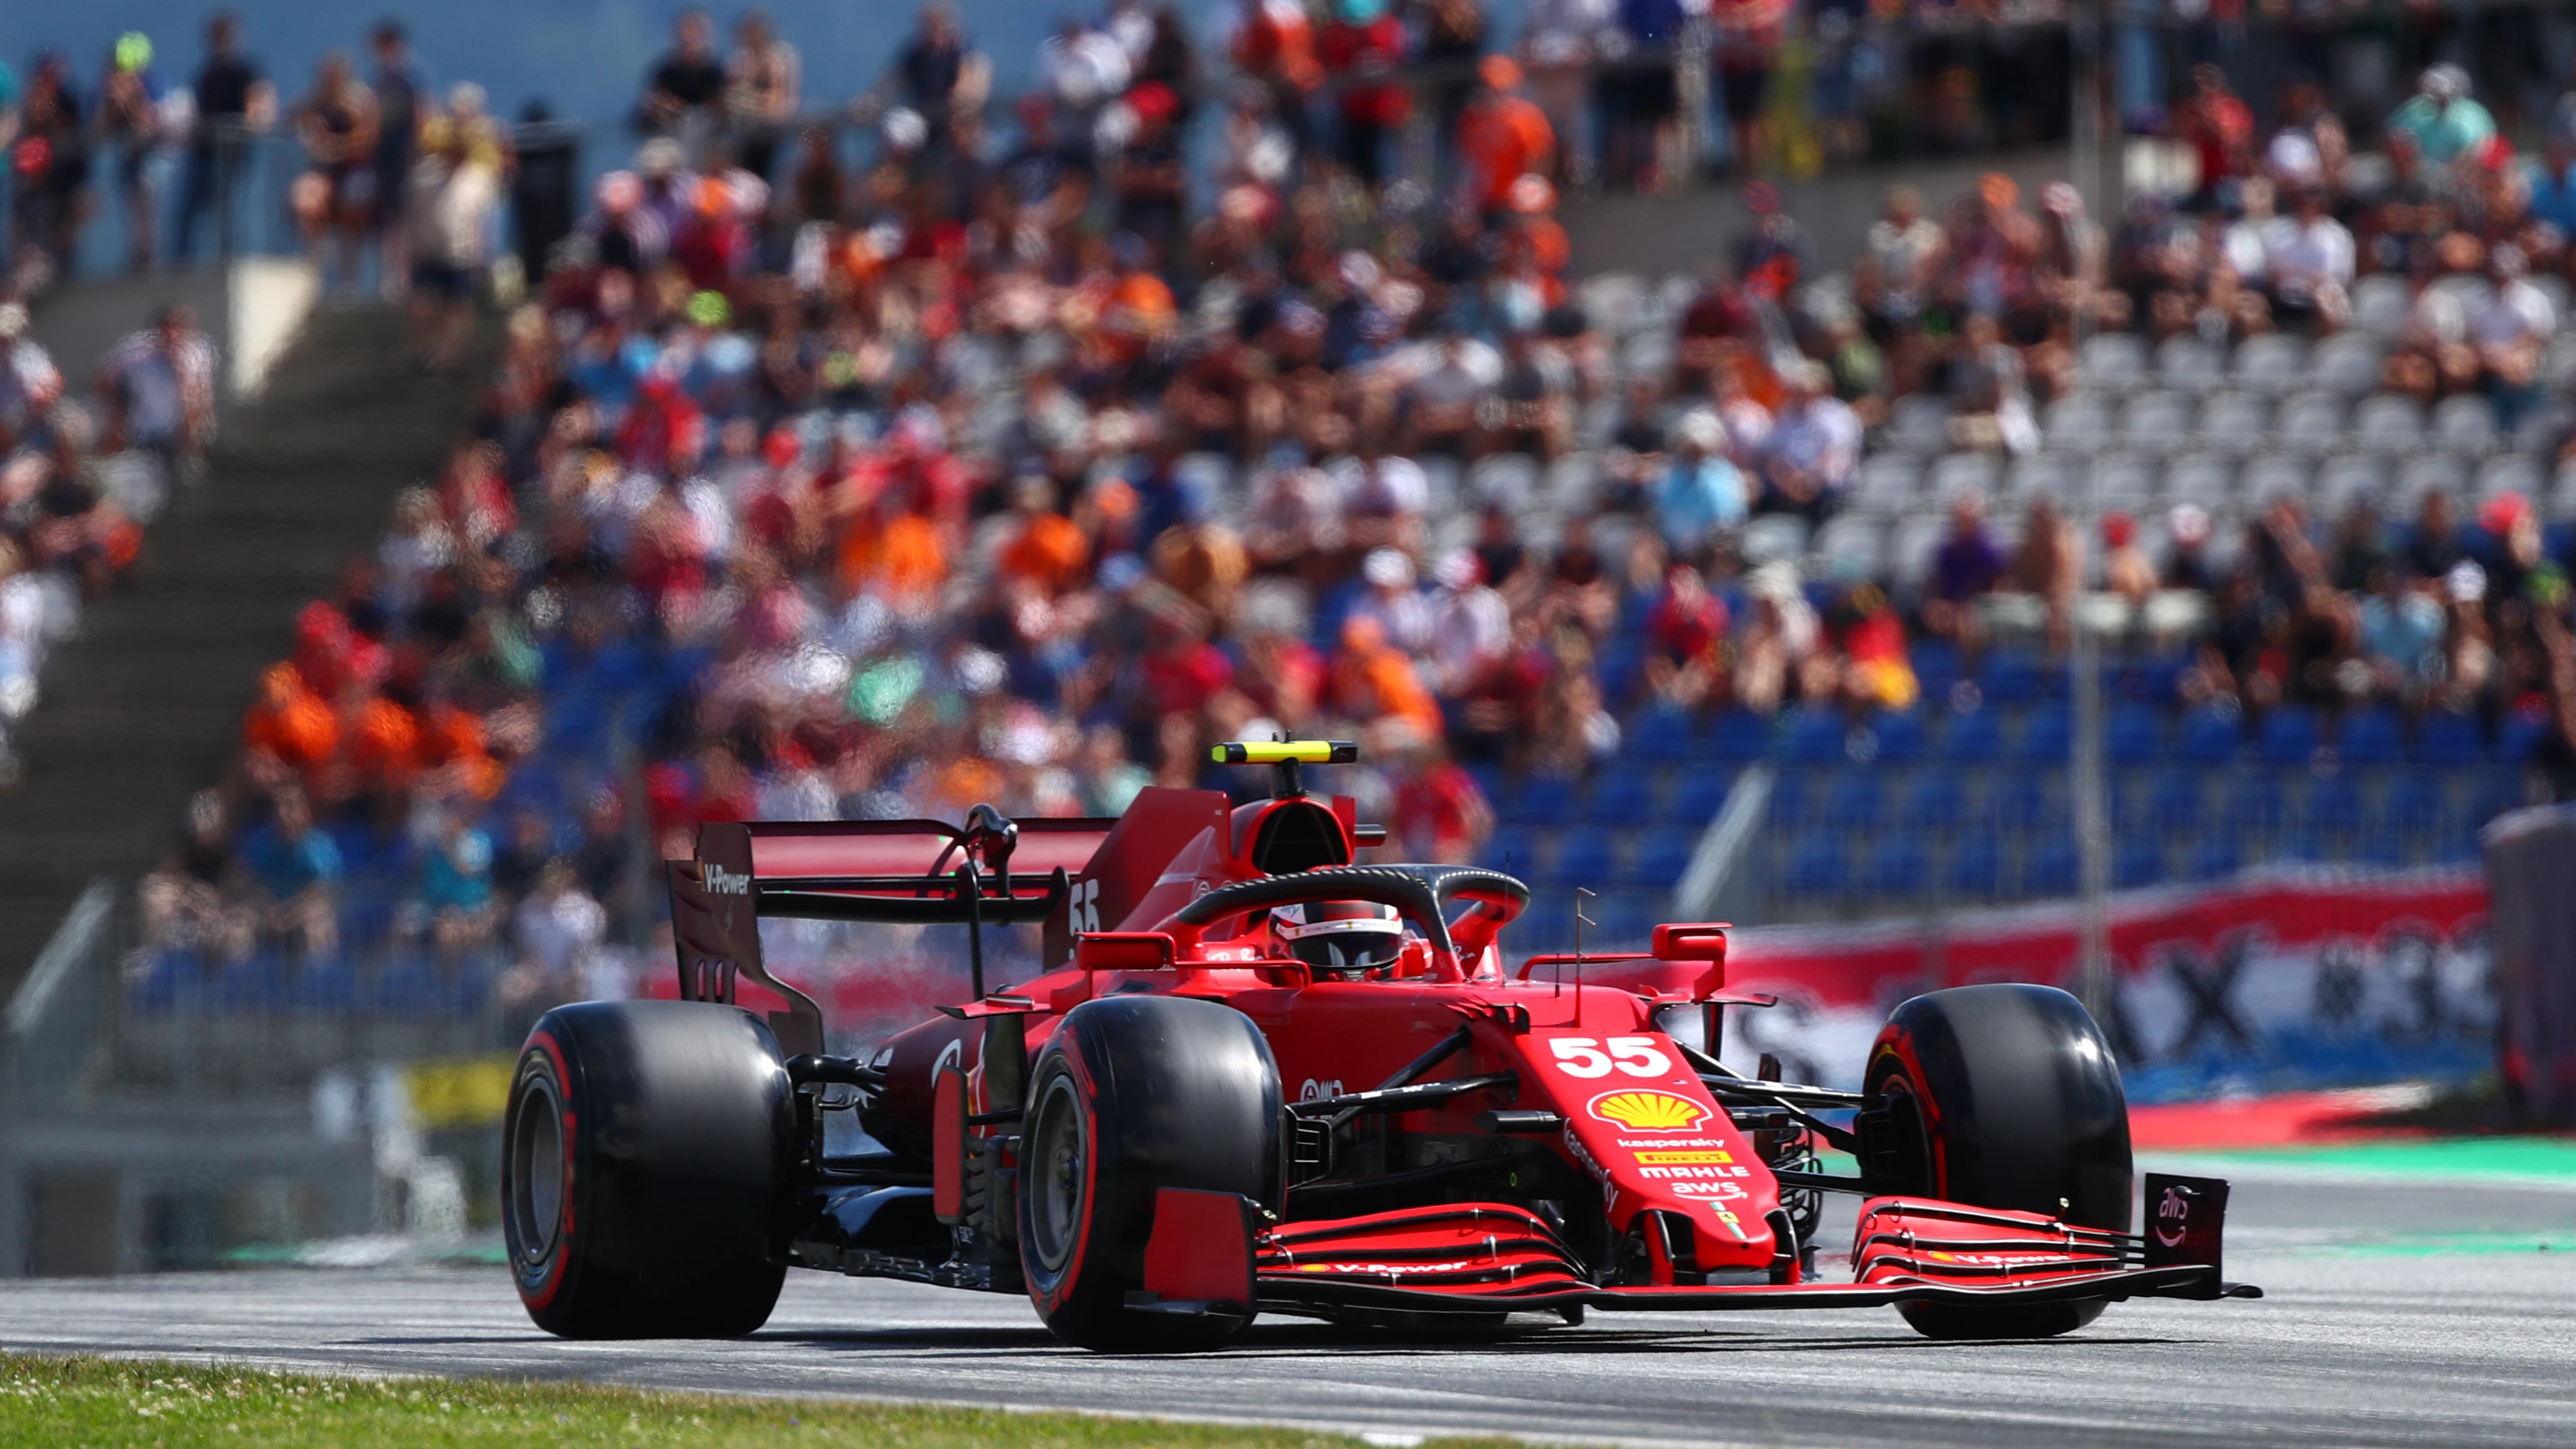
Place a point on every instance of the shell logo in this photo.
(1639, 1110)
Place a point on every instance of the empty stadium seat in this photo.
(1623, 799)
(1919, 424)
(2011, 676)
(2048, 736)
(1888, 483)
(2173, 805)
(1900, 736)
(2133, 735)
(1852, 546)
(2446, 741)
(1813, 737)
(2269, 362)
(1661, 736)
(1936, 665)
(2040, 475)
(2464, 424)
(2368, 736)
(2216, 858)
(2207, 479)
(1738, 735)
(2414, 805)
(2310, 422)
(2288, 735)
(2388, 423)
(1855, 801)
(2187, 364)
(1816, 868)
(2271, 476)
(2334, 809)
(2139, 861)
(1937, 803)
(2209, 736)
(1697, 800)
(2017, 802)
(1971, 739)
(2233, 422)
(1901, 866)
(1545, 801)
(2512, 473)
(1975, 866)
(1660, 864)
(2078, 423)
(2380, 305)
(2346, 365)
(2348, 480)
(1587, 858)
(2051, 869)
(1772, 536)
(2155, 422)
(2112, 361)
(2425, 473)
(2254, 805)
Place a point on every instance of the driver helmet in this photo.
(1341, 936)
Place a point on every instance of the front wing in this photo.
(1207, 1254)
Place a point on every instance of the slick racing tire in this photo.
(1133, 1094)
(2006, 1096)
(644, 1159)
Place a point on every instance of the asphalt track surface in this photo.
(2399, 1313)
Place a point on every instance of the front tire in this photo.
(1134, 1094)
(644, 1157)
(2017, 1101)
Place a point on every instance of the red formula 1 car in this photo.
(1255, 1077)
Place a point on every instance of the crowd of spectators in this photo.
(985, 475)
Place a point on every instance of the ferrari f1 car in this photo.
(1256, 1077)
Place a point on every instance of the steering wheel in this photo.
(1417, 892)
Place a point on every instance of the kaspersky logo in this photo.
(1642, 1110)
(723, 882)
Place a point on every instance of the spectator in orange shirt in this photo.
(291, 722)
(384, 744)
(1048, 552)
(1373, 680)
(1503, 136)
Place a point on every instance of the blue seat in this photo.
(2414, 805)
(1901, 866)
(1543, 800)
(1816, 868)
(2051, 869)
(1545, 926)
(1619, 667)
(2516, 734)
(1813, 737)
(2049, 736)
(2017, 802)
(1900, 736)
(2493, 797)
(1937, 803)
(2210, 736)
(1622, 799)
(2139, 862)
(1695, 801)
(1789, 800)
(1627, 920)
(2174, 808)
(1936, 666)
(1972, 739)
(2134, 735)
(2334, 809)
(2160, 677)
(2254, 806)
(1976, 866)
(2458, 847)
(2217, 859)
(2368, 737)
(1659, 866)
(2288, 736)
(2389, 852)
(1738, 736)
(2448, 741)
(1586, 859)
(2011, 677)
(1855, 802)
(1661, 736)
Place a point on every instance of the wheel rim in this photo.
(1056, 1163)
(536, 1171)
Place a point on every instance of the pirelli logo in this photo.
(1689, 1157)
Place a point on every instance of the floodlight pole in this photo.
(2096, 160)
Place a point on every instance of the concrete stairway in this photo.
(144, 707)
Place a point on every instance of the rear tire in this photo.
(1131, 1095)
(2018, 1101)
(644, 1159)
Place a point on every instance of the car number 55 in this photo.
(1585, 1057)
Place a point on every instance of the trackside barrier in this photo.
(2531, 863)
(2286, 979)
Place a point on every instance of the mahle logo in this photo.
(726, 883)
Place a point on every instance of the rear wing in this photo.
(991, 871)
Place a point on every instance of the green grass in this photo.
(85, 1403)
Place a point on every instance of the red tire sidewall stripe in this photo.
(544, 1293)
(1086, 1093)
